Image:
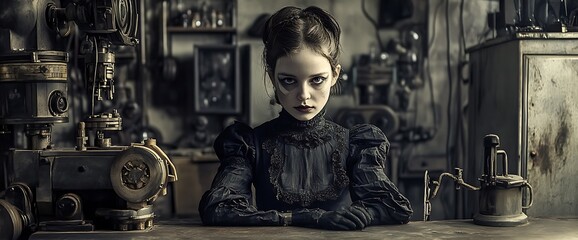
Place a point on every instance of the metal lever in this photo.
(429, 184)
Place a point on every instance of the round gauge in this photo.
(138, 174)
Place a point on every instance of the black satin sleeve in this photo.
(370, 186)
(228, 202)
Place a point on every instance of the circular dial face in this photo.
(138, 174)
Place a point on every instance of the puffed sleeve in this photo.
(370, 186)
(228, 200)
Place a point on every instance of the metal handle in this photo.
(527, 184)
(504, 162)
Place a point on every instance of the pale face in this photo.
(303, 82)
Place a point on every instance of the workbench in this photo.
(551, 228)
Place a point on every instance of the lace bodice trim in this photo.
(312, 138)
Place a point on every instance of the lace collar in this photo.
(304, 134)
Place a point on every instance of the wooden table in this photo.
(446, 229)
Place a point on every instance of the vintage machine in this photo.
(500, 196)
(95, 185)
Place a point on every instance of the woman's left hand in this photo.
(350, 218)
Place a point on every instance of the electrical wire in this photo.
(487, 29)
(432, 99)
(432, 39)
(461, 134)
(95, 71)
(462, 32)
(458, 103)
(415, 109)
(449, 147)
(450, 82)
(428, 71)
(374, 23)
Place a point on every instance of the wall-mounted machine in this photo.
(95, 185)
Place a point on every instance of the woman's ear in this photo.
(336, 74)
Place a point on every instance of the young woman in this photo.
(306, 170)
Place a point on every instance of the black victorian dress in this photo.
(292, 164)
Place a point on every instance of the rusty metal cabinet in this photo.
(524, 88)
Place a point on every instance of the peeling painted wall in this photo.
(552, 129)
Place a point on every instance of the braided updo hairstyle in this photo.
(291, 28)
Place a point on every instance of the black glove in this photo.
(350, 218)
